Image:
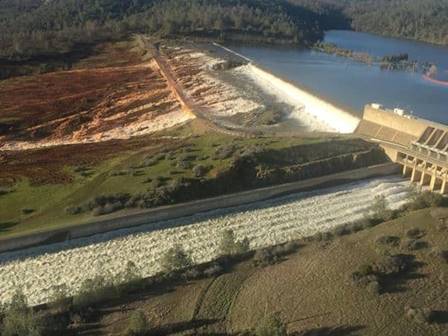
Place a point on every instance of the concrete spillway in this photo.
(265, 223)
(314, 112)
(312, 109)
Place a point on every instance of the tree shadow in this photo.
(7, 226)
(439, 317)
(396, 282)
(331, 331)
(180, 327)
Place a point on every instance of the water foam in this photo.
(266, 223)
(314, 112)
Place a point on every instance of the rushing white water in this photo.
(314, 112)
(266, 223)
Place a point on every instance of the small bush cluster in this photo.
(419, 315)
(224, 152)
(198, 272)
(92, 292)
(123, 172)
(415, 244)
(83, 171)
(138, 324)
(379, 211)
(5, 191)
(271, 325)
(175, 259)
(274, 254)
(229, 246)
(200, 170)
(150, 161)
(426, 199)
(371, 276)
(444, 255)
(366, 277)
(415, 233)
(21, 320)
(27, 211)
(390, 241)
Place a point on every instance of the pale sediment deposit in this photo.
(266, 223)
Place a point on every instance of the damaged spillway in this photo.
(38, 270)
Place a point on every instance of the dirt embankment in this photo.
(90, 104)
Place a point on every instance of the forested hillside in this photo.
(31, 28)
(424, 20)
(34, 27)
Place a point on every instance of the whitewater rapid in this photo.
(37, 270)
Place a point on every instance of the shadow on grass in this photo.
(180, 327)
(439, 317)
(396, 282)
(331, 331)
(7, 226)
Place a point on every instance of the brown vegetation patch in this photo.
(47, 165)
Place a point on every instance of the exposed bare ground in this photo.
(86, 105)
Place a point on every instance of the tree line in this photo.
(40, 28)
(413, 19)
(33, 28)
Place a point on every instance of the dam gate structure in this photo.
(420, 146)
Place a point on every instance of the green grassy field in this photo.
(29, 206)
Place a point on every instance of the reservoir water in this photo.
(352, 84)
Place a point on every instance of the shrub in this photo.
(230, 246)
(138, 324)
(396, 264)
(130, 279)
(264, 257)
(379, 211)
(341, 230)
(93, 291)
(419, 315)
(415, 244)
(20, 320)
(271, 325)
(415, 233)
(444, 255)
(213, 270)
(200, 170)
(59, 299)
(374, 287)
(76, 210)
(193, 273)
(183, 164)
(388, 241)
(27, 211)
(224, 152)
(175, 259)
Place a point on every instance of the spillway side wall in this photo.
(414, 127)
(191, 208)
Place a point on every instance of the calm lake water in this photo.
(354, 84)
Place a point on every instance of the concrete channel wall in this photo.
(191, 208)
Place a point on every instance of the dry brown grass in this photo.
(313, 291)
